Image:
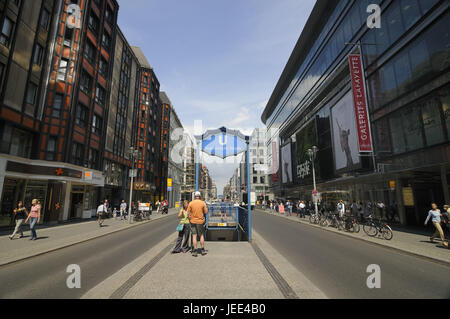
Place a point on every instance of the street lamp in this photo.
(312, 153)
(133, 154)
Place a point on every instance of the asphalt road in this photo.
(45, 276)
(337, 264)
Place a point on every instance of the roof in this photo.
(141, 57)
(316, 21)
(164, 98)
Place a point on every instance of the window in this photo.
(38, 54)
(51, 149)
(255, 180)
(86, 83)
(106, 41)
(77, 154)
(68, 36)
(93, 158)
(100, 95)
(410, 12)
(90, 52)
(57, 105)
(97, 124)
(109, 15)
(20, 144)
(103, 67)
(432, 124)
(45, 19)
(81, 115)
(445, 100)
(62, 70)
(30, 97)
(93, 23)
(263, 180)
(5, 36)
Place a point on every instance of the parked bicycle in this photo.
(374, 227)
(351, 224)
(332, 219)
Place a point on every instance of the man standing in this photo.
(196, 213)
(101, 211)
(302, 207)
(123, 209)
(341, 209)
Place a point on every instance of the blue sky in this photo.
(218, 61)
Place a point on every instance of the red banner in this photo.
(359, 99)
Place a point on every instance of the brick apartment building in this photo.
(74, 97)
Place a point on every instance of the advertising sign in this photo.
(169, 182)
(360, 104)
(305, 139)
(286, 162)
(345, 137)
(274, 162)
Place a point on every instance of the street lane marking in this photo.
(281, 283)
(127, 285)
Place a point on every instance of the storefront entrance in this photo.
(76, 202)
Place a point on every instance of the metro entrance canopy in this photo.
(224, 143)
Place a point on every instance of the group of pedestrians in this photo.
(22, 216)
(192, 226)
(288, 207)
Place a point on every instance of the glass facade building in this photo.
(406, 67)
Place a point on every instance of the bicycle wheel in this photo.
(340, 225)
(370, 229)
(324, 222)
(356, 227)
(387, 232)
(311, 218)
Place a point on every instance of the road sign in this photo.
(169, 188)
(133, 172)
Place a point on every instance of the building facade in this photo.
(72, 95)
(406, 69)
(176, 153)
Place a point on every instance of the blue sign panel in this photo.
(223, 142)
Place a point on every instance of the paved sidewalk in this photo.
(57, 237)
(409, 242)
(230, 270)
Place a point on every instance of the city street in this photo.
(337, 264)
(45, 276)
(332, 263)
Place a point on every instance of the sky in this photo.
(217, 60)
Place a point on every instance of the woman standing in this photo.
(184, 231)
(20, 214)
(281, 208)
(34, 217)
(435, 215)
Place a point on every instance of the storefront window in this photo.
(432, 123)
(412, 128)
(445, 100)
(13, 191)
(36, 190)
(382, 139)
(397, 136)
